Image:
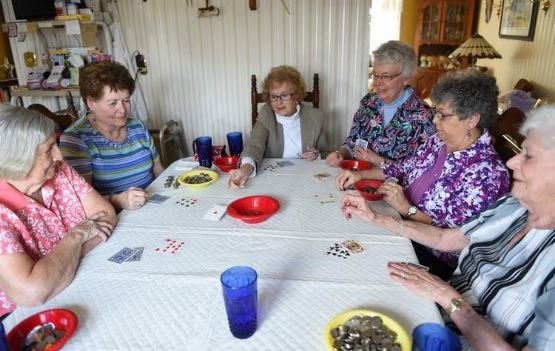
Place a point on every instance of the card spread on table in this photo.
(157, 198)
(187, 201)
(171, 246)
(337, 250)
(285, 163)
(215, 213)
(353, 246)
(123, 255)
(137, 255)
(361, 143)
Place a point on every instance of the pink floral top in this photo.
(28, 226)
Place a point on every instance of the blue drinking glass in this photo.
(203, 147)
(434, 337)
(240, 297)
(235, 142)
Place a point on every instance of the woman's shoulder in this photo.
(307, 110)
(79, 127)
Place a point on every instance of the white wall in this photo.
(199, 68)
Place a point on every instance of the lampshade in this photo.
(476, 47)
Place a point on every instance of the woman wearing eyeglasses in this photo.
(393, 120)
(456, 174)
(285, 127)
(113, 152)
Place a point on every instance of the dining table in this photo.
(171, 299)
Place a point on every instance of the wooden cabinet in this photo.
(424, 79)
(443, 25)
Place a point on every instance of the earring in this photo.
(468, 134)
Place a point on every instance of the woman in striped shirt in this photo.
(502, 295)
(113, 152)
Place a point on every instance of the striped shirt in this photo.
(113, 167)
(512, 285)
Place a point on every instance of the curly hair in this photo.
(469, 92)
(284, 74)
(395, 51)
(95, 76)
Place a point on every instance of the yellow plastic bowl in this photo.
(403, 338)
(213, 176)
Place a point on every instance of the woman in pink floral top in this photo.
(49, 216)
(456, 174)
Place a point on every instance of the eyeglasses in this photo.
(385, 77)
(440, 115)
(282, 97)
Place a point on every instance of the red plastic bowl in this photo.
(354, 165)
(363, 184)
(63, 320)
(226, 164)
(253, 209)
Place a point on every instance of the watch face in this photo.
(412, 211)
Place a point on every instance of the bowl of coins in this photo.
(227, 163)
(46, 330)
(368, 188)
(371, 329)
(354, 165)
(198, 178)
(253, 209)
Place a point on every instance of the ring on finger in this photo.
(403, 274)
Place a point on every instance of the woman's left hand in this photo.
(310, 155)
(367, 155)
(422, 282)
(394, 195)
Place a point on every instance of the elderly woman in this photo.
(506, 266)
(456, 174)
(115, 153)
(49, 215)
(285, 127)
(393, 121)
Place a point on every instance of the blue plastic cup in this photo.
(235, 142)
(434, 337)
(203, 147)
(240, 297)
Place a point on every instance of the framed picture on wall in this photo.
(518, 19)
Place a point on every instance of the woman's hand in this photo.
(131, 199)
(347, 179)
(394, 195)
(310, 155)
(357, 205)
(93, 227)
(237, 178)
(334, 159)
(422, 283)
(367, 155)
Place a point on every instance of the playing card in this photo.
(336, 250)
(215, 213)
(353, 246)
(157, 198)
(122, 255)
(171, 246)
(285, 163)
(184, 201)
(361, 143)
(137, 255)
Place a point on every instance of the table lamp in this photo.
(474, 48)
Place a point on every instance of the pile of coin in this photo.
(364, 333)
(198, 179)
(42, 337)
(171, 180)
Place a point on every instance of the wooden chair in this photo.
(62, 120)
(524, 85)
(169, 141)
(257, 98)
(505, 136)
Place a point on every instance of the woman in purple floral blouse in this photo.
(393, 120)
(456, 174)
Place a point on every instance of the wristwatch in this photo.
(455, 305)
(411, 212)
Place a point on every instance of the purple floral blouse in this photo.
(471, 180)
(410, 127)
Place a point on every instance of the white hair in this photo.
(21, 132)
(395, 51)
(542, 123)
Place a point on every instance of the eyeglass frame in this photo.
(442, 116)
(384, 77)
(280, 97)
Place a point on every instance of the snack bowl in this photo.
(365, 186)
(354, 165)
(403, 337)
(186, 178)
(253, 209)
(63, 320)
(227, 163)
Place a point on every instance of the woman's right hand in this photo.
(346, 179)
(92, 227)
(131, 199)
(357, 205)
(237, 178)
(334, 159)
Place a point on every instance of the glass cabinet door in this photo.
(454, 22)
(430, 23)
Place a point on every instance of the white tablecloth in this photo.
(173, 301)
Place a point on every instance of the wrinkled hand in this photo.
(422, 282)
(334, 159)
(394, 195)
(346, 179)
(357, 205)
(310, 155)
(131, 199)
(367, 155)
(237, 178)
(93, 227)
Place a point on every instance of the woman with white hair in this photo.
(49, 215)
(393, 120)
(506, 270)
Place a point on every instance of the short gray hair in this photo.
(469, 92)
(21, 132)
(395, 51)
(542, 122)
